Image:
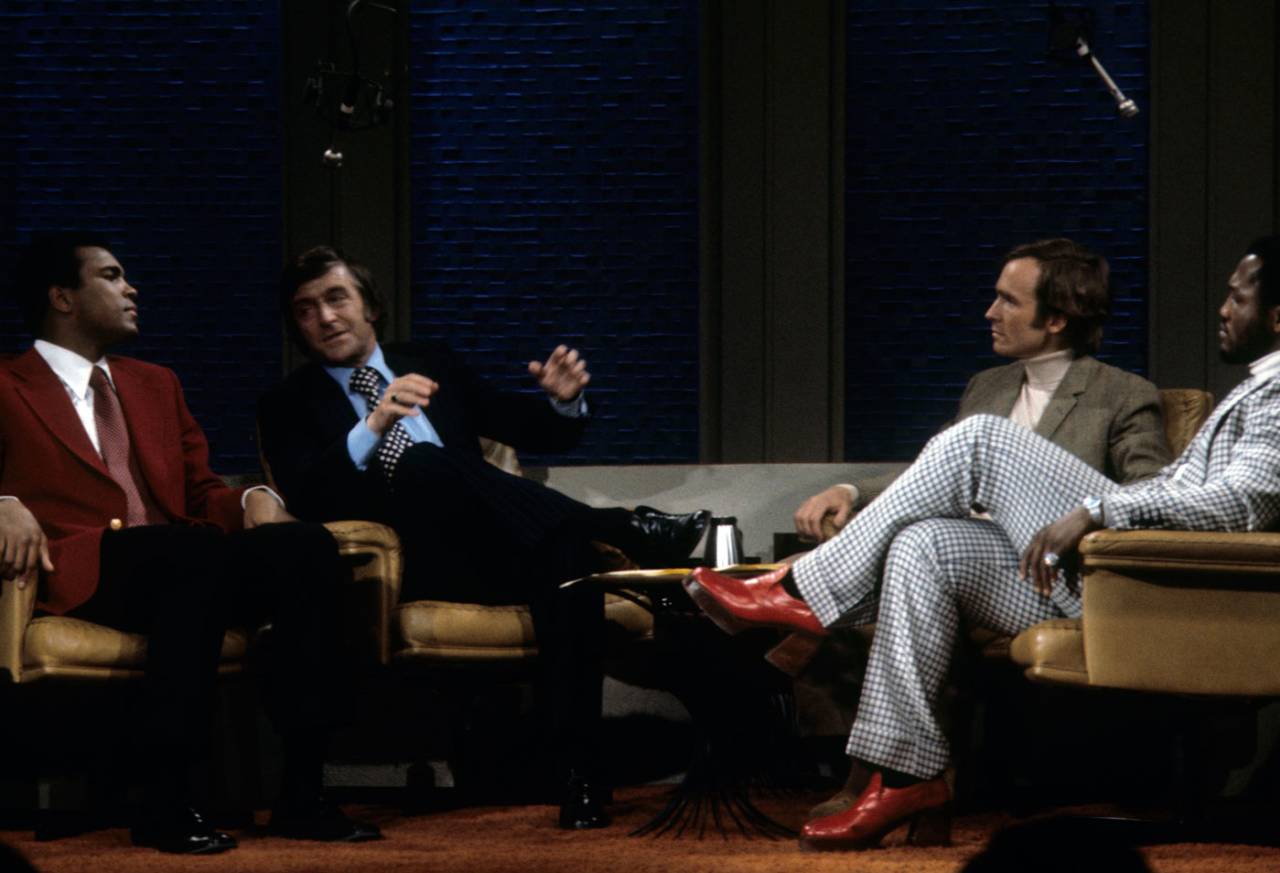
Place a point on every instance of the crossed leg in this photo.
(1023, 480)
(938, 573)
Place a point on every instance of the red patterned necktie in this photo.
(113, 442)
(368, 382)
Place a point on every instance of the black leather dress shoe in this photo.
(180, 831)
(583, 805)
(321, 821)
(667, 539)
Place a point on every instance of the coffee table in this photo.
(741, 709)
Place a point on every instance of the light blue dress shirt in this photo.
(361, 441)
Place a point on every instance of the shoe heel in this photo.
(931, 827)
(722, 619)
(794, 653)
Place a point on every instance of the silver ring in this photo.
(1051, 559)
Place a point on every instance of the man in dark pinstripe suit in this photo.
(393, 435)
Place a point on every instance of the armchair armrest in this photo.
(1253, 554)
(374, 552)
(1182, 612)
(17, 605)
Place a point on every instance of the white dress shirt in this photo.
(74, 372)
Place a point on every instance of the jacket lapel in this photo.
(1002, 392)
(43, 391)
(1066, 396)
(330, 405)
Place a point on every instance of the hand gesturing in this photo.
(564, 375)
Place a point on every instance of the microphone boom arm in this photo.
(1124, 104)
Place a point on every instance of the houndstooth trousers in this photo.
(916, 562)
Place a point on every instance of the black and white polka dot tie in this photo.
(368, 383)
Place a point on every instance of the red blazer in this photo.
(48, 462)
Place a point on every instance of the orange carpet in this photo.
(525, 839)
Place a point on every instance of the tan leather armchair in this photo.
(34, 648)
(1175, 612)
(1192, 618)
(438, 632)
(56, 647)
(1172, 612)
(49, 650)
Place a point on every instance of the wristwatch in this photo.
(1093, 505)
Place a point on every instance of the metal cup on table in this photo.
(724, 543)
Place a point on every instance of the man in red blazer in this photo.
(107, 502)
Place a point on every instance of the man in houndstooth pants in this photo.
(916, 562)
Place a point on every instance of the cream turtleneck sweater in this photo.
(1044, 374)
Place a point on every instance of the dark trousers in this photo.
(183, 586)
(473, 533)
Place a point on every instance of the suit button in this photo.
(116, 524)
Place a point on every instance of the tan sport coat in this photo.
(1107, 417)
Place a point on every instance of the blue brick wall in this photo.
(157, 122)
(963, 140)
(554, 195)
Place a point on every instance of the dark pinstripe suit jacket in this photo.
(305, 420)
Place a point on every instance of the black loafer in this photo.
(667, 538)
(180, 831)
(583, 806)
(321, 821)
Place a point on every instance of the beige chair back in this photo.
(1184, 409)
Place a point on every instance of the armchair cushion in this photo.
(71, 648)
(1052, 651)
(443, 631)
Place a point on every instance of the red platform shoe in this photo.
(926, 805)
(736, 605)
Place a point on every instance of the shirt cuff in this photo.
(575, 408)
(361, 443)
(248, 491)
